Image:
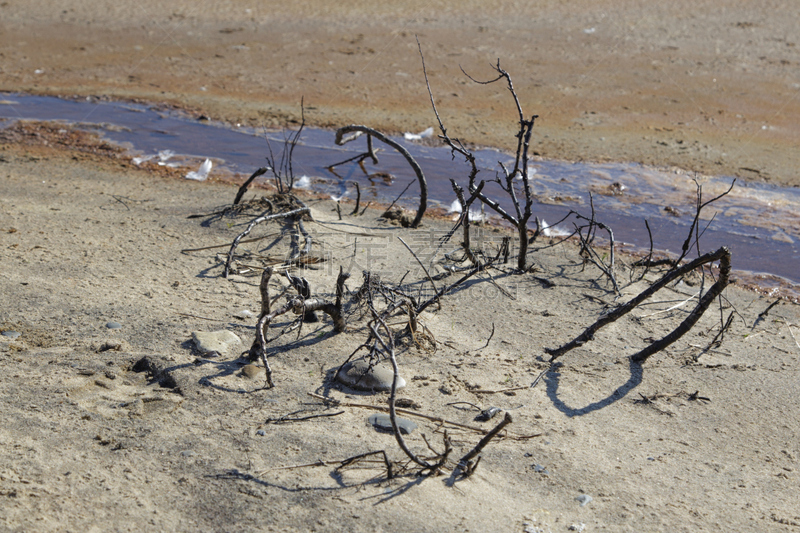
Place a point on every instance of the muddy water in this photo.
(760, 223)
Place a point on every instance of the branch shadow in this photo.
(552, 380)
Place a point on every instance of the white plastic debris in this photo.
(418, 136)
(552, 231)
(474, 214)
(202, 173)
(531, 174)
(163, 156)
(304, 182)
(139, 160)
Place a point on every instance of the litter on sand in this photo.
(418, 136)
(202, 173)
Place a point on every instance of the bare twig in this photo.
(259, 220)
(465, 464)
(519, 171)
(420, 264)
(289, 418)
(243, 189)
(358, 199)
(406, 412)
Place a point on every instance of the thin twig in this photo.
(259, 220)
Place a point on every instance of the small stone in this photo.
(383, 422)
(113, 325)
(12, 334)
(261, 433)
(188, 453)
(252, 371)
(584, 499)
(215, 341)
(100, 382)
(357, 374)
(244, 314)
(111, 345)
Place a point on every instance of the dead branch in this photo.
(371, 153)
(423, 184)
(478, 268)
(465, 464)
(254, 223)
(694, 227)
(722, 255)
(388, 347)
(587, 250)
(518, 172)
(282, 169)
(243, 189)
(299, 306)
(406, 412)
(287, 418)
(351, 460)
(264, 289)
(358, 200)
(715, 290)
(420, 263)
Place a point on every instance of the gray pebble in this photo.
(384, 423)
(113, 325)
(188, 453)
(215, 341)
(358, 375)
(12, 334)
(261, 433)
(584, 499)
(539, 469)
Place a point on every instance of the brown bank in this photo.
(706, 85)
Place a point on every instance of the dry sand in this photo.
(89, 443)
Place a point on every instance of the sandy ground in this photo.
(706, 85)
(92, 441)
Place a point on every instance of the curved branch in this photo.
(723, 255)
(423, 184)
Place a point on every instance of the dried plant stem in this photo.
(254, 223)
(722, 254)
(465, 464)
(243, 189)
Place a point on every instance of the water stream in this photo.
(760, 223)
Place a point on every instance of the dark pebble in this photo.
(113, 325)
(384, 423)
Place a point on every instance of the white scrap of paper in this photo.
(418, 136)
(202, 173)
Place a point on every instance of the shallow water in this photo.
(760, 223)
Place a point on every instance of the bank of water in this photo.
(760, 223)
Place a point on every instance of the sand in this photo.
(694, 439)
